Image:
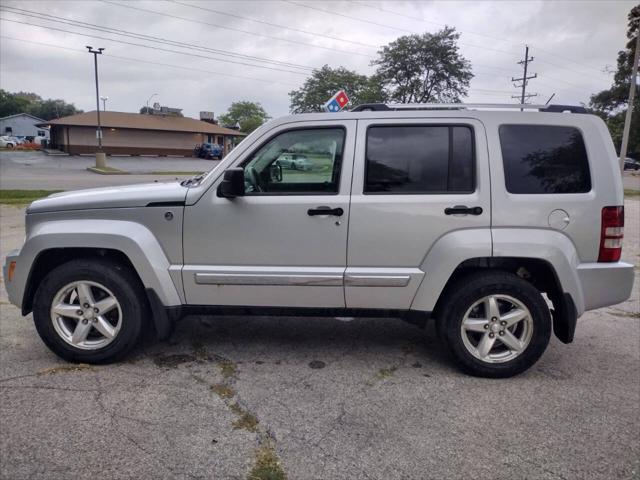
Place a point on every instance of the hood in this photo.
(139, 195)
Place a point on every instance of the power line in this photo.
(460, 43)
(422, 19)
(474, 91)
(568, 68)
(149, 46)
(337, 14)
(253, 33)
(298, 30)
(248, 32)
(513, 42)
(120, 32)
(140, 36)
(139, 60)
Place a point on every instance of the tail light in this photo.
(611, 234)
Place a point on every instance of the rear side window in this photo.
(419, 159)
(544, 159)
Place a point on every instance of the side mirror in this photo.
(232, 185)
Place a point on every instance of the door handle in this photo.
(463, 210)
(337, 212)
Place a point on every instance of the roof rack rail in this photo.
(383, 107)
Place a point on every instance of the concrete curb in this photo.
(109, 171)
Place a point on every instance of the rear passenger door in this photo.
(414, 181)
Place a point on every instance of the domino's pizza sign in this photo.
(337, 102)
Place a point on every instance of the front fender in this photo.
(132, 239)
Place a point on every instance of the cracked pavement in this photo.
(366, 399)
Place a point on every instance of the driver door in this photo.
(284, 242)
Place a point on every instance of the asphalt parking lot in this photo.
(35, 170)
(315, 398)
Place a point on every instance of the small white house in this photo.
(23, 125)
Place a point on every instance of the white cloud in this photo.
(571, 41)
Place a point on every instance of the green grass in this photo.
(267, 465)
(23, 197)
(631, 193)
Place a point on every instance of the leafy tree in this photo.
(250, 115)
(49, 109)
(612, 104)
(326, 81)
(424, 68)
(12, 103)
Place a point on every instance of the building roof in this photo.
(25, 114)
(142, 122)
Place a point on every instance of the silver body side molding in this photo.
(267, 279)
(376, 280)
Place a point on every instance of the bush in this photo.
(28, 146)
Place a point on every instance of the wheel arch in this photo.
(129, 243)
(538, 272)
(51, 258)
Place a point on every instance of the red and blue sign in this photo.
(337, 102)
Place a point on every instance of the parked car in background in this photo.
(631, 164)
(294, 161)
(209, 150)
(7, 142)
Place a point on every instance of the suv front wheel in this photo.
(89, 311)
(495, 324)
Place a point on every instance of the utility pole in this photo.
(632, 95)
(524, 79)
(100, 156)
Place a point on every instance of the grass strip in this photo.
(23, 197)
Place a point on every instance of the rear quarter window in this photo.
(419, 159)
(544, 159)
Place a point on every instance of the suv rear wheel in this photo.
(89, 311)
(495, 324)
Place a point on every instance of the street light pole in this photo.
(95, 65)
(148, 100)
(104, 103)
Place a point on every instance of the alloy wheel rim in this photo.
(497, 328)
(86, 315)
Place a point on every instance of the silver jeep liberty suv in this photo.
(501, 225)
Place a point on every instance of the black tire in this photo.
(460, 296)
(120, 280)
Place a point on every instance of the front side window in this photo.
(297, 162)
(544, 159)
(419, 159)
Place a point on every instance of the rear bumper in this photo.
(605, 284)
